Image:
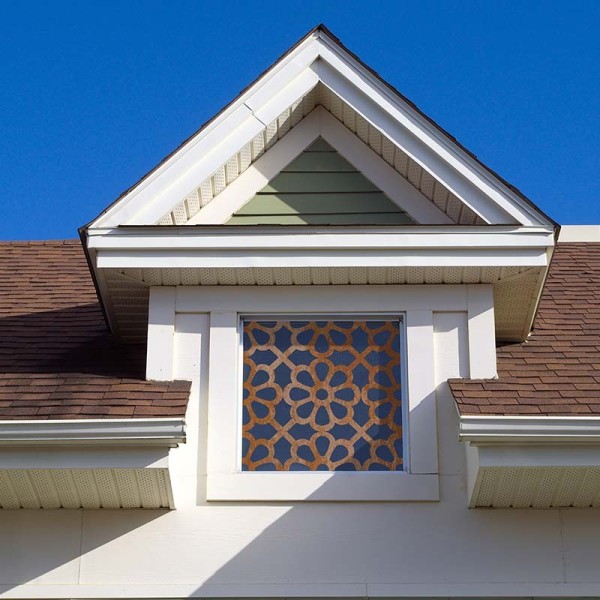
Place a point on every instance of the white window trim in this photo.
(226, 482)
(223, 304)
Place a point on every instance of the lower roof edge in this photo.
(167, 431)
(518, 429)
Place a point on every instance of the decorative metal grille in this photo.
(322, 395)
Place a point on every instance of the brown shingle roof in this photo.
(557, 370)
(57, 358)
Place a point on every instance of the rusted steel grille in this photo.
(322, 395)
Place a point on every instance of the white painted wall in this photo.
(301, 549)
(579, 233)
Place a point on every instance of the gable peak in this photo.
(318, 71)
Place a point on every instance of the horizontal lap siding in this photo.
(319, 188)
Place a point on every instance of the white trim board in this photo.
(281, 591)
(226, 482)
(479, 429)
(402, 236)
(579, 233)
(117, 432)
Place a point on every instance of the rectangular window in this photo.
(322, 394)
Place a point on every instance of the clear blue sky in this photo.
(94, 94)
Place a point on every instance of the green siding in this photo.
(320, 161)
(319, 182)
(320, 187)
(337, 219)
(286, 204)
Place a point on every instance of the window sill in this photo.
(323, 487)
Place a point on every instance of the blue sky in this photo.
(94, 94)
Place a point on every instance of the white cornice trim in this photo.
(116, 432)
(478, 429)
(400, 247)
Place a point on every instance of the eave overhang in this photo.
(532, 462)
(127, 260)
(96, 463)
(224, 246)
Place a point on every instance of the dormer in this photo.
(321, 200)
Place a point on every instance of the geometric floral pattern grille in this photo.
(322, 395)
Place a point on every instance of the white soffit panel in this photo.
(87, 463)
(537, 487)
(85, 488)
(374, 140)
(515, 288)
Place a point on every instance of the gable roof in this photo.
(557, 370)
(57, 358)
(320, 71)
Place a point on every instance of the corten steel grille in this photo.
(322, 395)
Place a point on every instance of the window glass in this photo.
(322, 395)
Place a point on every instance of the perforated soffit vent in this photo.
(320, 95)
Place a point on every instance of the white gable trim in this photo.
(174, 180)
(453, 176)
(320, 58)
(337, 69)
(320, 123)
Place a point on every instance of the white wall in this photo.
(303, 549)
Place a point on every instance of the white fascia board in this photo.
(190, 259)
(116, 432)
(354, 73)
(369, 247)
(579, 233)
(303, 237)
(478, 429)
(84, 457)
(286, 82)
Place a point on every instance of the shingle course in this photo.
(557, 370)
(57, 358)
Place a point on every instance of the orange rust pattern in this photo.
(322, 395)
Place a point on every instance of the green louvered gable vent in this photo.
(320, 188)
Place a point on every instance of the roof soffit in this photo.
(319, 71)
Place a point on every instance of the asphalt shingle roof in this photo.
(57, 358)
(557, 370)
